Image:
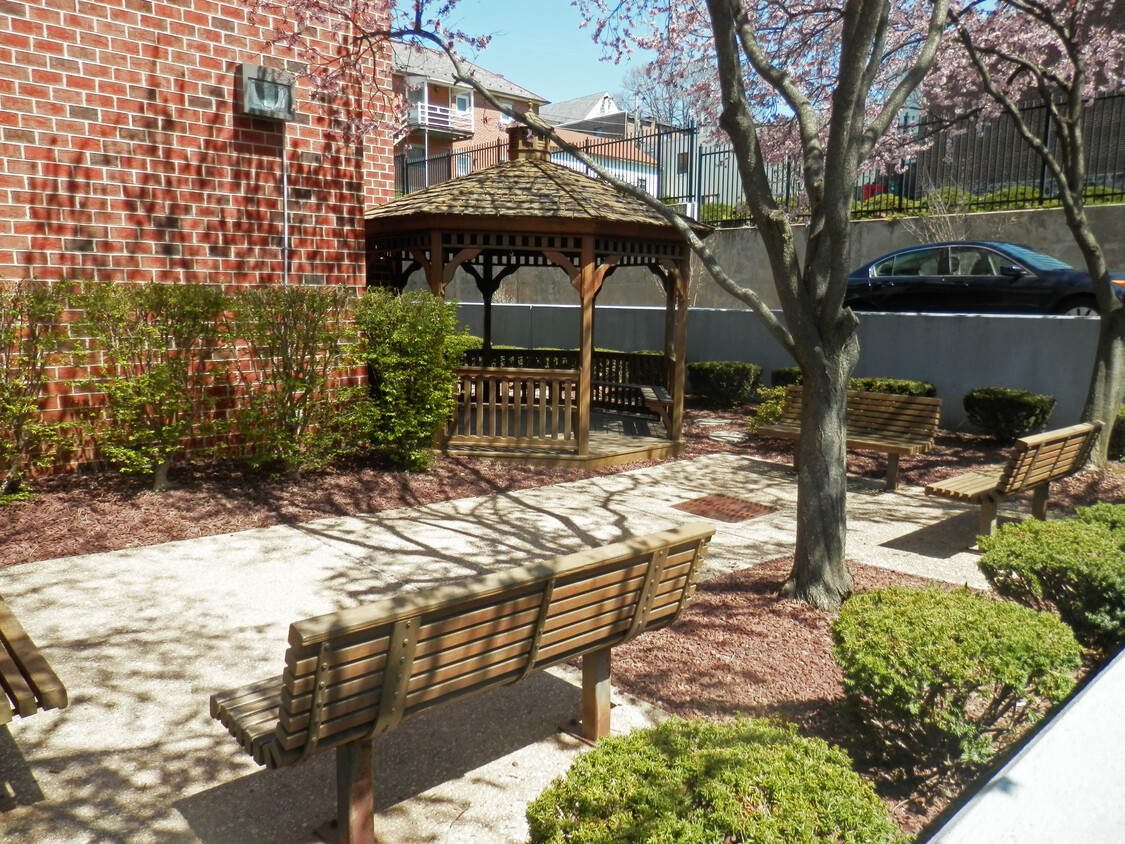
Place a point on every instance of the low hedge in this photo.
(872, 383)
(724, 383)
(933, 679)
(1073, 566)
(898, 386)
(691, 782)
(1007, 414)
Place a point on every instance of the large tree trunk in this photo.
(820, 574)
(1107, 381)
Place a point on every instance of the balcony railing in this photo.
(441, 117)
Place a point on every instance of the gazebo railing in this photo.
(515, 408)
(615, 379)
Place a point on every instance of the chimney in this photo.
(523, 143)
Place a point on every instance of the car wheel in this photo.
(1082, 306)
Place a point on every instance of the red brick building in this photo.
(125, 153)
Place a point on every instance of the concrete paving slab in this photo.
(143, 637)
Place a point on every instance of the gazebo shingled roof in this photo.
(524, 189)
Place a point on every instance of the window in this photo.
(683, 162)
(464, 102)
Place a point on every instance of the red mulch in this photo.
(739, 648)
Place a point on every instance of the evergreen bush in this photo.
(412, 349)
(1073, 566)
(32, 337)
(724, 383)
(1007, 414)
(153, 348)
(785, 376)
(934, 679)
(297, 408)
(690, 782)
(898, 386)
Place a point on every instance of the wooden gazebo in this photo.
(529, 212)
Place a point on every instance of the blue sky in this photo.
(538, 44)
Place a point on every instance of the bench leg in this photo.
(892, 472)
(595, 694)
(987, 518)
(355, 794)
(1039, 501)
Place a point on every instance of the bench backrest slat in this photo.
(1047, 457)
(360, 672)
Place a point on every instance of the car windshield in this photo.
(1035, 260)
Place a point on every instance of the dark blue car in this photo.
(974, 277)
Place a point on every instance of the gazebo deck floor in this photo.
(615, 439)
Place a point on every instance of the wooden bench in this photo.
(354, 674)
(651, 397)
(886, 422)
(30, 684)
(1035, 462)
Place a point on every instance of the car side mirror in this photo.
(1012, 271)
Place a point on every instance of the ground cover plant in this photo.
(936, 680)
(695, 782)
(1075, 567)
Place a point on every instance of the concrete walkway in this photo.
(142, 637)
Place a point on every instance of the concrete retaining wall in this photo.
(955, 352)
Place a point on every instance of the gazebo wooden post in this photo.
(435, 267)
(675, 341)
(587, 291)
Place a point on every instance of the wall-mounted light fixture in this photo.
(267, 92)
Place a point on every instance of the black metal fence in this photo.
(986, 169)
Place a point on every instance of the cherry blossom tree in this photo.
(822, 78)
(1058, 54)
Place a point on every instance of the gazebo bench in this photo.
(354, 674)
(1034, 463)
(652, 397)
(885, 422)
(29, 682)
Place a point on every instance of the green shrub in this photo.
(1100, 194)
(31, 338)
(296, 410)
(771, 404)
(871, 383)
(898, 386)
(786, 376)
(724, 383)
(1007, 414)
(691, 782)
(1117, 435)
(1110, 515)
(1074, 566)
(933, 679)
(152, 346)
(1017, 196)
(885, 205)
(716, 212)
(412, 349)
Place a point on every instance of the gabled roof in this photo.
(525, 189)
(435, 65)
(569, 111)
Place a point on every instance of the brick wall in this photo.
(122, 155)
